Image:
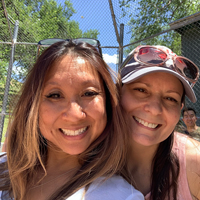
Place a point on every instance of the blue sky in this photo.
(92, 19)
(95, 14)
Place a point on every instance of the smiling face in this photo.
(153, 104)
(189, 118)
(72, 112)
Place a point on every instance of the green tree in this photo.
(91, 34)
(149, 17)
(14, 85)
(3, 73)
(38, 20)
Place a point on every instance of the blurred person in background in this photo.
(190, 119)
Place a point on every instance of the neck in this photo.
(140, 157)
(140, 166)
(59, 162)
(192, 128)
(60, 168)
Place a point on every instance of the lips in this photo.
(146, 124)
(74, 132)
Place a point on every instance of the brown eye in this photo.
(171, 99)
(53, 96)
(90, 94)
(139, 89)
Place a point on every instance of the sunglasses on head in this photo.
(50, 41)
(159, 56)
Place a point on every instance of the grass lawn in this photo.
(4, 128)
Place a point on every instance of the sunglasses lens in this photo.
(93, 42)
(50, 41)
(88, 40)
(151, 55)
(187, 68)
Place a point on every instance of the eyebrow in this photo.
(186, 114)
(173, 91)
(148, 85)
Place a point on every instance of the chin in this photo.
(144, 140)
(74, 151)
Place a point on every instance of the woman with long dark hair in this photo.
(162, 164)
(66, 132)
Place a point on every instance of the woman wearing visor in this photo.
(162, 164)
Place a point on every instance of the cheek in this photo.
(194, 120)
(97, 110)
(99, 105)
(175, 115)
(127, 101)
(46, 116)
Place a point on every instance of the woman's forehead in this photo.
(161, 80)
(72, 64)
(160, 77)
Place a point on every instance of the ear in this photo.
(182, 106)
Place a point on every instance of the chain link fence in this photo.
(52, 20)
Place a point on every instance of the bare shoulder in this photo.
(193, 166)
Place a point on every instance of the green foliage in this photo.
(149, 17)
(42, 19)
(38, 20)
(14, 86)
(3, 73)
(4, 128)
(91, 34)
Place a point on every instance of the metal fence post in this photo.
(121, 45)
(8, 79)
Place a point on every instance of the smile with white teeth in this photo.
(149, 125)
(74, 132)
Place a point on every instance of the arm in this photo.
(193, 166)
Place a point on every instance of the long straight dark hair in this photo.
(165, 169)
(165, 172)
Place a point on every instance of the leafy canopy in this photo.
(38, 20)
(149, 17)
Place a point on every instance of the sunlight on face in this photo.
(72, 112)
(153, 103)
(80, 60)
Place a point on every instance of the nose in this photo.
(73, 112)
(190, 117)
(154, 106)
